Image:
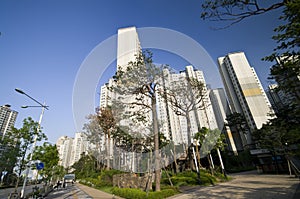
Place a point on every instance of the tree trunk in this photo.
(108, 152)
(156, 144)
(189, 153)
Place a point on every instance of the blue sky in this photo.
(43, 44)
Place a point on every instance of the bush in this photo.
(106, 177)
(129, 193)
(191, 178)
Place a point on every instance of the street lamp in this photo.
(43, 106)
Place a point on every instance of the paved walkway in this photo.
(248, 185)
(96, 193)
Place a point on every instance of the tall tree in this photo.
(23, 139)
(187, 96)
(95, 135)
(137, 88)
(107, 122)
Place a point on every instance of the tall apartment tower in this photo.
(128, 46)
(7, 119)
(174, 126)
(244, 91)
(80, 146)
(64, 146)
(221, 109)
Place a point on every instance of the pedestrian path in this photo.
(248, 185)
(95, 193)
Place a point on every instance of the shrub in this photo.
(139, 194)
(129, 193)
(106, 177)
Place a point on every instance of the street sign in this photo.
(39, 166)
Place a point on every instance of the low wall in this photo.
(131, 180)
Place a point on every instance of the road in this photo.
(247, 185)
(69, 192)
(4, 193)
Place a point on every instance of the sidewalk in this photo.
(247, 185)
(95, 193)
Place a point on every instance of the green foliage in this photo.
(85, 167)
(106, 177)
(19, 141)
(280, 132)
(102, 179)
(241, 162)
(191, 178)
(47, 154)
(139, 194)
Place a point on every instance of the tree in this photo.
(280, 132)
(235, 11)
(237, 122)
(95, 134)
(185, 96)
(108, 124)
(23, 139)
(85, 167)
(137, 88)
(199, 138)
(287, 69)
(48, 155)
(8, 155)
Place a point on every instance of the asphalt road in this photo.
(69, 192)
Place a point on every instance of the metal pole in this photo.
(221, 161)
(32, 150)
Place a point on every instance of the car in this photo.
(69, 178)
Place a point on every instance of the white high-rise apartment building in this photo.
(174, 126)
(64, 146)
(71, 149)
(244, 90)
(128, 46)
(221, 109)
(80, 146)
(7, 119)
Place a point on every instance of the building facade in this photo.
(7, 119)
(71, 149)
(174, 125)
(221, 109)
(244, 91)
(128, 47)
(80, 147)
(64, 146)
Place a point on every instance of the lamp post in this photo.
(43, 106)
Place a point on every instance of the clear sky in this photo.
(44, 43)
